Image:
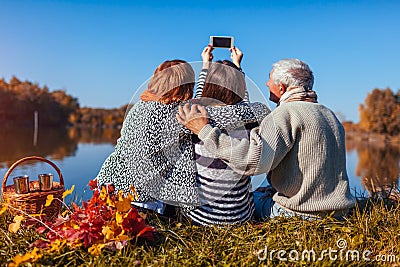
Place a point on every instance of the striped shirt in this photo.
(225, 195)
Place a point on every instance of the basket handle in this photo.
(27, 159)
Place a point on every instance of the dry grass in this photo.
(374, 226)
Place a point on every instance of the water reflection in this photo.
(80, 153)
(57, 143)
(378, 164)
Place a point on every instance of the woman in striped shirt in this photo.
(225, 195)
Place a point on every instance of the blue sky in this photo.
(102, 51)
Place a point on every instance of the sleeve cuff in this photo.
(205, 131)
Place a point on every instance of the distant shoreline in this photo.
(352, 133)
(360, 136)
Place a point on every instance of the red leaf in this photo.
(41, 229)
(147, 233)
(93, 184)
(39, 244)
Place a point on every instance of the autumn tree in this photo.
(68, 105)
(381, 112)
(20, 99)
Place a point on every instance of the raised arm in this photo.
(237, 56)
(207, 57)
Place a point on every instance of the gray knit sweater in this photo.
(303, 145)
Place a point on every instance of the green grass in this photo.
(374, 226)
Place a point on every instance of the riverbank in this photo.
(368, 236)
(373, 138)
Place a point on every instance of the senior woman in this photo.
(154, 154)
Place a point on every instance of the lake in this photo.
(79, 153)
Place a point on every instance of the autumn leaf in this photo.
(4, 208)
(57, 245)
(123, 205)
(68, 192)
(143, 215)
(40, 243)
(123, 237)
(147, 232)
(107, 232)
(119, 218)
(128, 196)
(110, 202)
(95, 249)
(103, 193)
(107, 220)
(28, 257)
(14, 227)
(49, 199)
(93, 184)
(136, 196)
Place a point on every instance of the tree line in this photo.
(380, 113)
(19, 100)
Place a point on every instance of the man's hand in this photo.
(193, 118)
(236, 56)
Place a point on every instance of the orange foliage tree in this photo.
(381, 112)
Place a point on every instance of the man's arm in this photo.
(249, 157)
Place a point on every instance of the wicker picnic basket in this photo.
(34, 201)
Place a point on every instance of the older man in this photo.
(301, 144)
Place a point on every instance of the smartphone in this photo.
(221, 41)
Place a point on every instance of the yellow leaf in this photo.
(118, 218)
(28, 257)
(135, 193)
(130, 197)
(56, 245)
(95, 249)
(68, 192)
(110, 202)
(14, 227)
(123, 237)
(49, 199)
(107, 232)
(103, 193)
(4, 208)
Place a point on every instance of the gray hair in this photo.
(293, 72)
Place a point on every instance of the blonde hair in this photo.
(172, 81)
(224, 83)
